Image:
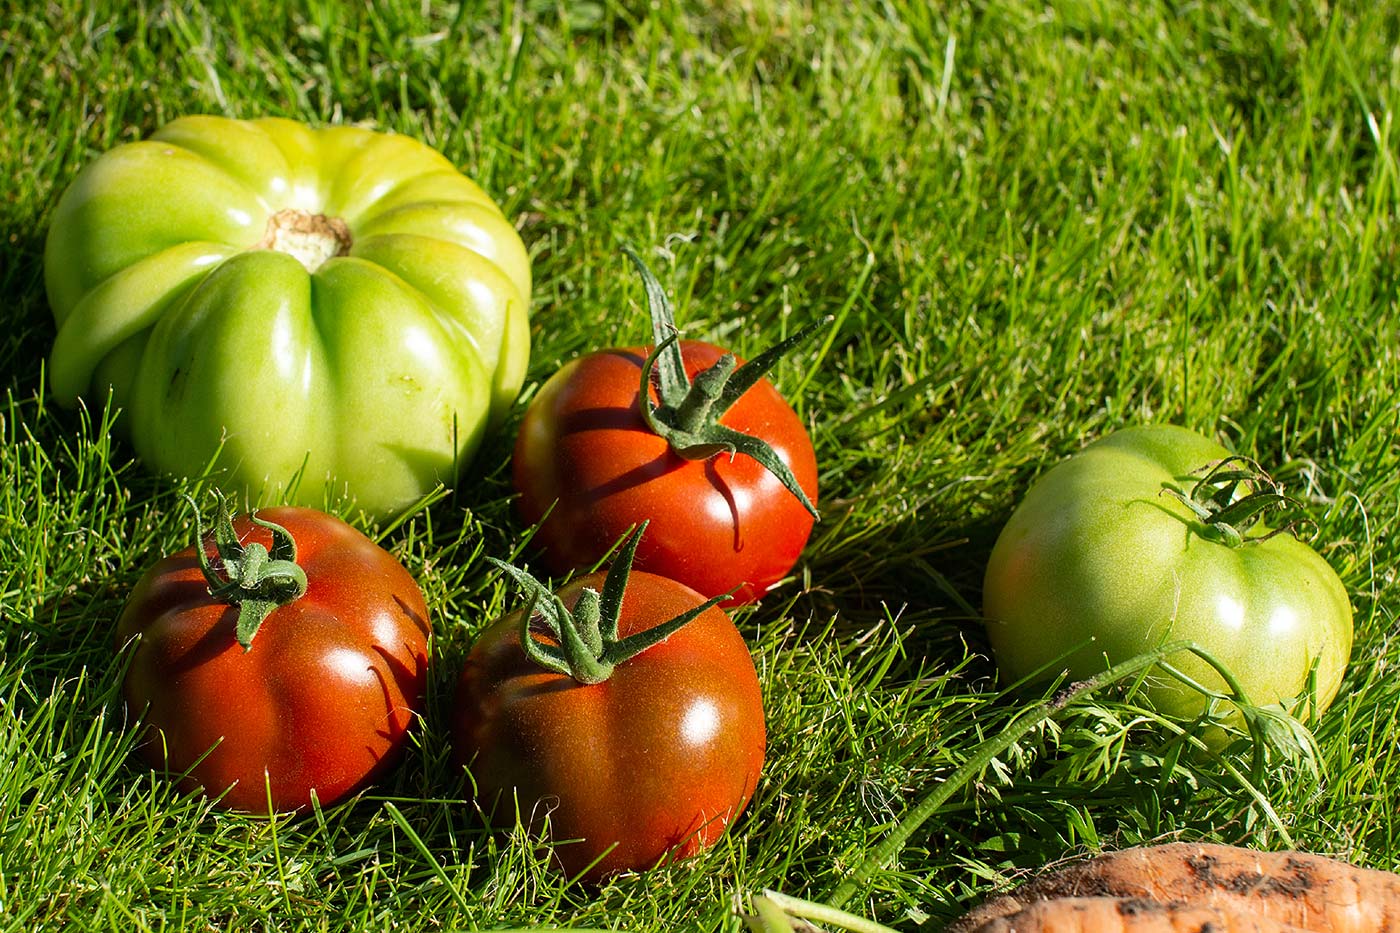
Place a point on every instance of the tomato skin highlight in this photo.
(586, 456)
(650, 765)
(1097, 550)
(324, 697)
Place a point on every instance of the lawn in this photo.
(1034, 224)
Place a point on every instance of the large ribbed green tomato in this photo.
(336, 305)
(1101, 549)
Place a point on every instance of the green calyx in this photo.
(1217, 500)
(585, 644)
(687, 413)
(251, 577)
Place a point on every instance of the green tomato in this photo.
(1102, 561)
(314, 307)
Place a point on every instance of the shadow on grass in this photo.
(29, 330)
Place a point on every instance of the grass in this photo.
(1033, 224)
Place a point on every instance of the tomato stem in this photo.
(687, 412)
(693, 412)
(251, 577)
(585, 643)
(310, 239)
(1215, 499)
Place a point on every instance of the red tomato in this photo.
(324, 694)
(713, 457)
(649, 765)
(716, 524)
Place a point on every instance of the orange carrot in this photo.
(1308, 892)
(1128, 915)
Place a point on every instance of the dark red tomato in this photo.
(322, 697)
(646, 766)
(726, 521)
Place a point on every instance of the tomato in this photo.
(731, 501)
(320, 307)
(1145, 537)
(306, 660)
(648, 761)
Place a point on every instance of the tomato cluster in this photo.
(287, 667)
(646, 737)
(282, 661)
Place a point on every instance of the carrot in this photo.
(1295, 889)
(1128, 915)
